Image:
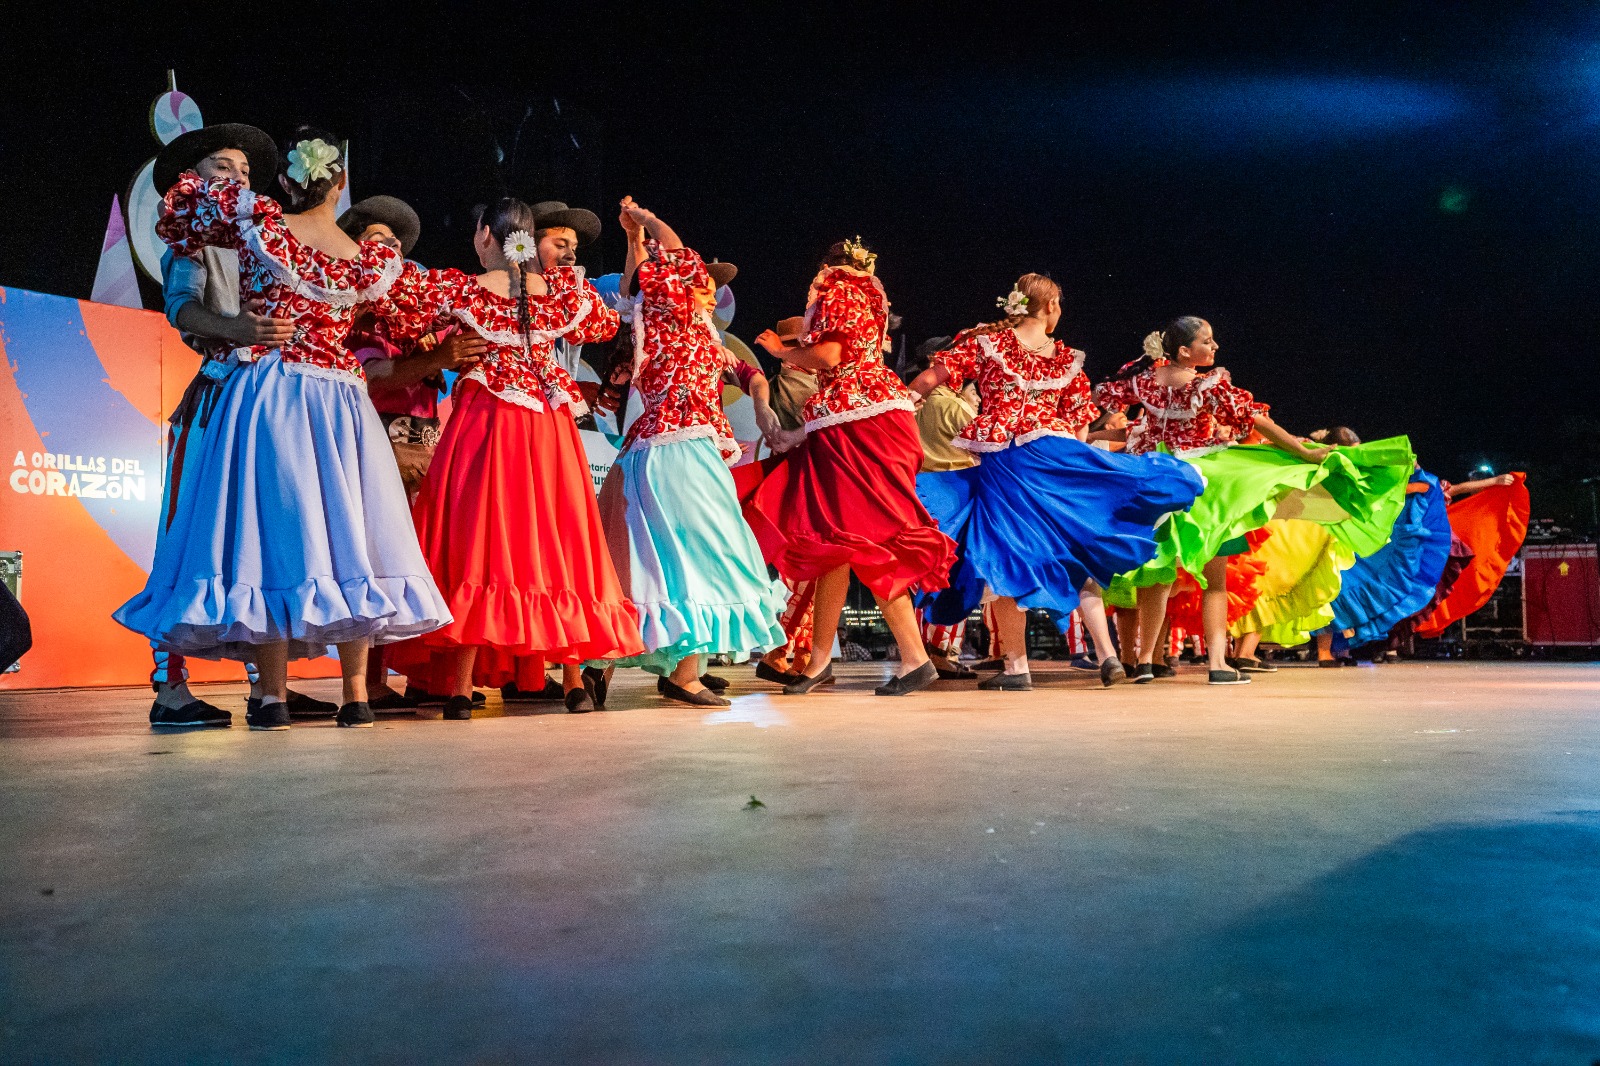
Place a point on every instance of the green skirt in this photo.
(1357, 493)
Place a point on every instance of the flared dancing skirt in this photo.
(1035, 522)
(510, 529)
(1492, 524)
(1384, 589)
(1301, 566)
(291, 525)
(690, 562)
(848, 496)
(1356, 492)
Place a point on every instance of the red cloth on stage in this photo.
(848, 495)
(509, 525)
(1493, 523)
(1244, 575)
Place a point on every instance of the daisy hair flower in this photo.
(519, 247)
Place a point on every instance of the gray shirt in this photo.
(213, 280)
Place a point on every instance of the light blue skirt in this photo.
(291, 525)
(693, 567)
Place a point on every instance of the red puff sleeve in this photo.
(571, 289)
(1233, 407)
(960, 362)
(1116, 394)
(415, 303)
(665, 280)
(843, 314)
(1076, 405)
(197, 215)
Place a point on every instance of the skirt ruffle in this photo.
(1302, 565)
(511, 532)
(1384, 589)
(1037, 522)
(1493, 524)
(290, 525)
(848, 496)
(1356, 492)
(693, 567)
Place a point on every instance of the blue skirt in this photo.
(1037, 521)
(693, 567)
(1389, 586)
(291, 524)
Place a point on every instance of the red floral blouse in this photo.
(679, 360)
(528, 376)
(849, 306)
(319, 293)
(1025, 395)
(1208, 412)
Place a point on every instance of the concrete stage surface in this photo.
(1394, 864)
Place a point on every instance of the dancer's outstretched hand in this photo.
(770, 341)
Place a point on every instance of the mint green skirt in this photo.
(1356, 492)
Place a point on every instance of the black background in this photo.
(1282, 170)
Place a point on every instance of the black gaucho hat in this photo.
(391, 211)
(186, 150)
(550, 214)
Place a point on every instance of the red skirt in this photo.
(848, 495)
(509, 527)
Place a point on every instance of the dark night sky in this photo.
(1284, 173)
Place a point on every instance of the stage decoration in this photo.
(116, 280)
(1013, 303)
(313, 160)
(172, 115)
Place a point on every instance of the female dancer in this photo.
(693, 566)
(506, 513)
(847, 498)
(295, 533)
(1193, 408)
(1042, 517)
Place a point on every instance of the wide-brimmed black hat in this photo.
(391, 211)
(184, 151)
(721, 272)
(550, 214)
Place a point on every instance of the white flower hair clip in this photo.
(1013, 303)
(1153, 346)
(311, 161)
(859, 256)
(519, 247)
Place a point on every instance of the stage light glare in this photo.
(1454, 200)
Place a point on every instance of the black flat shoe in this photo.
(595, 683)
(990, 664)
(920, 678)
(704, 698)
(392, 702)
(955, 673)
(716, 684)
(1329, 663)
(1162, 670)
(196, 714)
(1252, 666)
(1004, 682)
(1227, 677)
(303, 706)
(578, 701)
(767, 672)
(355, 716)
(458, 709)
(274, 716)
(807, 682)
(1144, 673)
(551, 693)
(1111, 671)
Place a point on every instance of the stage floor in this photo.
(1385, 864)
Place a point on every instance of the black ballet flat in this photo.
(458, 709)
(354, 716)
(594, 681)
(1144, 673)
(1004, 682)
(1111, 671)
(955, 673)
(578, 701)
(703, 698)
(767, 672)
(807, 682)
(920, 678)
(716, 684)
(302, 706)
(551, 693)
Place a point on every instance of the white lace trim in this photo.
(251, 231)
(522, 398)
(727, 447)
(330, 373)
(510, 338)
(858, 413)
(1202, 386)
(992, 350)
(1195, 453)
(981, 446)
